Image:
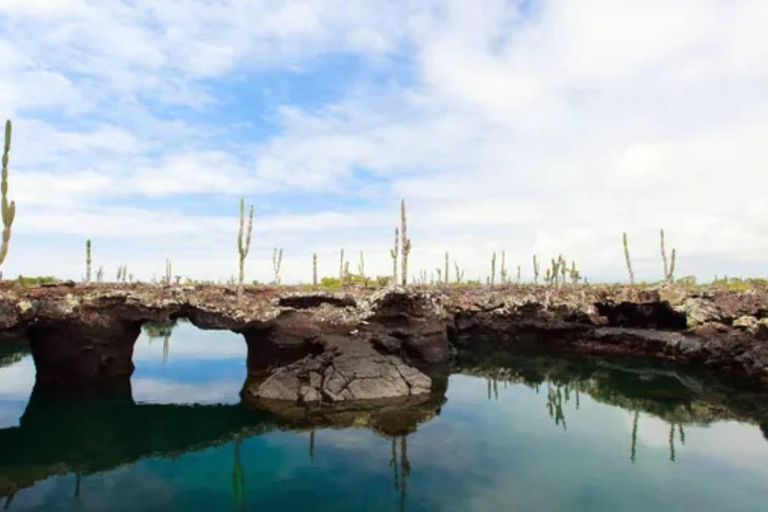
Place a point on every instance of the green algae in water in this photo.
(535, 433)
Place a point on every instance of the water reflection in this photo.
(488, 441)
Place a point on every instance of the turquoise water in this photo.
(523, 434)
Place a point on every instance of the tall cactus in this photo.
(314, 269)
(393, 254)
(447, 276)
(88, 261)
(277, 264)
(669, 270)
(361, 269)
(168, 271)
(8, 209)
(671, 275)
(244, 246)
(406, 242)
(625, 241)
(459, 272)
(503, 271)
(341, 267)
(493, 269)
(535, 270)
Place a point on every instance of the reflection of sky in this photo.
(200, 367)
(479, 454)
(16, 382)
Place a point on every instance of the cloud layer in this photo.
(530, 126)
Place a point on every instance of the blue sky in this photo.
(525, 126)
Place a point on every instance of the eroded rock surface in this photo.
(344, 372)
(84, 332)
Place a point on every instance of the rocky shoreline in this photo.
(310, 346)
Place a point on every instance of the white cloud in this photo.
(551, 129)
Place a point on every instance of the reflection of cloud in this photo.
(17, 380)
(189, 342)
(10, 412)
(729, 442)
(166, 391)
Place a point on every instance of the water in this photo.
(524, 434)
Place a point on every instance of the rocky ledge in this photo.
(309, 346)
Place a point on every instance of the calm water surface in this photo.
(530, 434)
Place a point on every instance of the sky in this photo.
(524, 126)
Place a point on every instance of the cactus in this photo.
(493, 270)
(125, 272)
(168, 272)
(314, 269)
(447, 267)
(439, 273)
(535, 270)
(393, 254)
(459, 272)
(88, 261)
(519, 275)
(503, 271)
(346, 272)
(100, 274)
(669, 270)
(574, 272)
(341, 267)
(277, 263)
(244, 247)
(8, 209)
(671, 275)
(406, 242)
(361, 269)
(119, 273)
(563, 268)
(625, 241)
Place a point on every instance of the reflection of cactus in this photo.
(244, 245)
(672, 456)
(393, 464)
(312, 445)
(88, 261)
(238, 476)
(8, 209)
(633, 451)
(625, 241)
(393, 253)
(406, 242)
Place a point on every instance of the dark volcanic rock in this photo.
(73, 353)
(348, 369)
(82, 332)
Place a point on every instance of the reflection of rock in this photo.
(347, 369)
(670, 392)
(388, 416)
